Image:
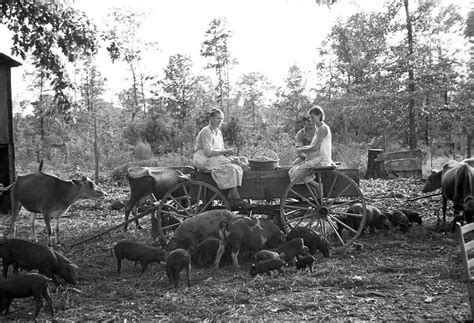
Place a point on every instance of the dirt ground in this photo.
(386, 276)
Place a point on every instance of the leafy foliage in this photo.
(51, 34)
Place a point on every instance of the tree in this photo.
(215, 47)
(292, 100)
(123, 36)
(91, 88)
(51, 33)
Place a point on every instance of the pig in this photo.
(213, 223)
(291, 249)
(138, 252)
(398, 219)
(31, 255)
(375, 218)
(178, 260)
(311, 239)
(305, 262)
(266, 254)
(24, 286)
(266, 266)
(206, 251)
(412, 216)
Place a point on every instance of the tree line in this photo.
(392, 79)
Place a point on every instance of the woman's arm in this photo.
(315, 144)
(208, 148)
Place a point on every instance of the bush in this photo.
(142, 150)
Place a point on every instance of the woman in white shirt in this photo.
(211, 155)
(318, 151)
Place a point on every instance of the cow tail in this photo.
(4, 189)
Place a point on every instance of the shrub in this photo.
(142, 150)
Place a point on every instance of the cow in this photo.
(154, 181)
(44, 193)
(193, 230)
(456, 181)
(254, 234)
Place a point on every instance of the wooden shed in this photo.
(7, 149)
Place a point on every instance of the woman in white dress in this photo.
(211, 155)
(318, 151)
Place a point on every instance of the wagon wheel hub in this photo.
(322, 212)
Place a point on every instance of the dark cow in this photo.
(253, 234)
(151, 180)
(193, 230)
(47, 194)
(456, 180)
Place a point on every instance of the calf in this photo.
(456, 183)
(29, 255)
(254, 234)
(47, 194)
(178, 260)
(213, 223)
(266, 266)
(311, 239)
(151, 180)
(138, 252)
(24, 286)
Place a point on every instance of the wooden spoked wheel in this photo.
(323, 207)
(185, 200)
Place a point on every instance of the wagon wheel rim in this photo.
(303, 205)
(198, 197)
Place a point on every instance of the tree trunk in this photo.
(96, 149)
(411, 82)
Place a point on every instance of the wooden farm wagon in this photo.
(272, 193)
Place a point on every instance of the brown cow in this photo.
(150, 180)
(456, 183)
(39, 192)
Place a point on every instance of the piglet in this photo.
(266, 254)
(311, 239)
(398, 219)
(178, 260)
(412, 216)
(30, 255)
(138, 252)
(266, 266)
(24, 286)
(305, 262)
(291, 249)
(206, 251)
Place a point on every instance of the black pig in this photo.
(305, 262)
(24, 286)
(412, 215)
(291, 249)
(266, 266)
(398, 219)
(311, 239)
(178, 260)
(206, 251)
(30, 255)
(138, 252)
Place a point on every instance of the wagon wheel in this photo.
(301, 205)
(185, 200)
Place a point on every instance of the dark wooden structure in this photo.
(7, 152)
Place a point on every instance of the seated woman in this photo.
(210, 155)
(303, 138)
(318, 151)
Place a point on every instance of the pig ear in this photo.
(74, 267)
